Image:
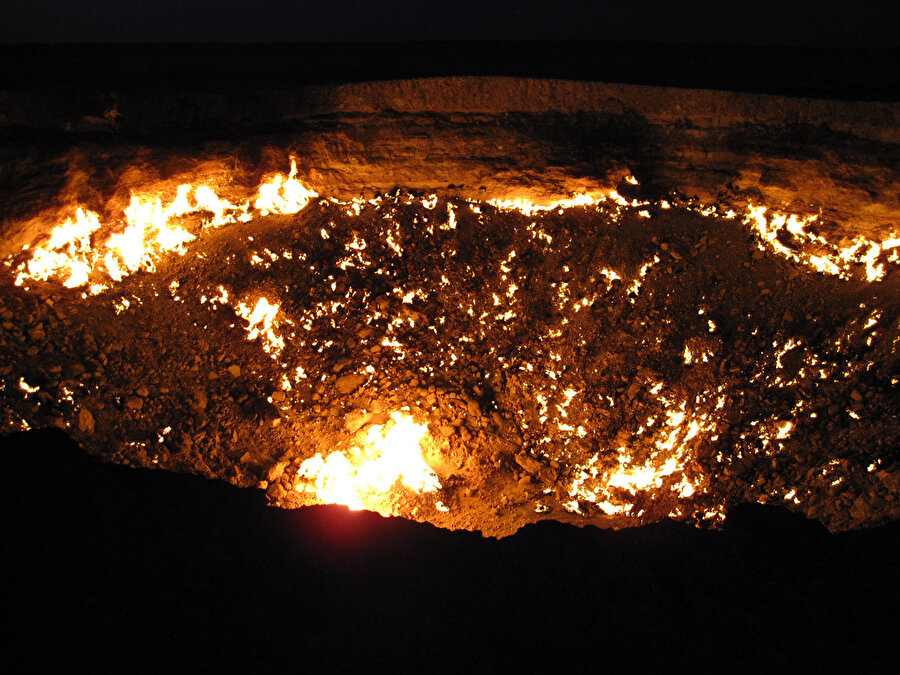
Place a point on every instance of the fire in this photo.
(261, 324)
(613, 490)
(283, 195)
(529, 208)
(362, 478)
(67, 251)
(835, 259)
(76, 252)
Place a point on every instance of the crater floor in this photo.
(614, 363)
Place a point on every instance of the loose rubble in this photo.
(604, 363)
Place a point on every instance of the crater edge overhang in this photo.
(484, 138)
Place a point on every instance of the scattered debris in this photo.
(586, 363)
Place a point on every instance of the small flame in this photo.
(261, 324)
(283, 195)
(391, 452)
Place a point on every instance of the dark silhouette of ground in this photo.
(106, 567)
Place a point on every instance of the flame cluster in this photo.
(389, 453)
(66, 255)
(830, 258)
(83, 250)
(77, 253)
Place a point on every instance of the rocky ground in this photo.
(664, 350)
(549, 354)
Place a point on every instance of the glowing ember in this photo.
(391, 454)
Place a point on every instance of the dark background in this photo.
(817, 49)
(826, 23)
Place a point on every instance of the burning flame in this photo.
(832, 259)
(261, 324)
(67, 251)
(283, 195)
(76, 254)
(529, 208)
(151, 229)
(361, 479)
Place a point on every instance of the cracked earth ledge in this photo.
(483, 138)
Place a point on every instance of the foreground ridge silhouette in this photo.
(106, 567)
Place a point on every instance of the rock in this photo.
(356, 420)
(85, 421)
(142, 391)
(198, 399)
(347, 384)
(265, 411)
(234, 371)
(277, 470)
(134, 402)
(529, 463)
(891, 481)
(860, 509)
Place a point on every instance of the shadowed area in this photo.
(106, 566)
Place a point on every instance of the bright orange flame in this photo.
(529, 208)
(66, 251)
(283, 195)
(391, 452)
(261, 324)
(151, 229)
(835, 259)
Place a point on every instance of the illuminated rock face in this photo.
(473, 137)
(568, 333)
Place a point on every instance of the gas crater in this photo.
(430, 301)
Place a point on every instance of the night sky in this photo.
(858, 24)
